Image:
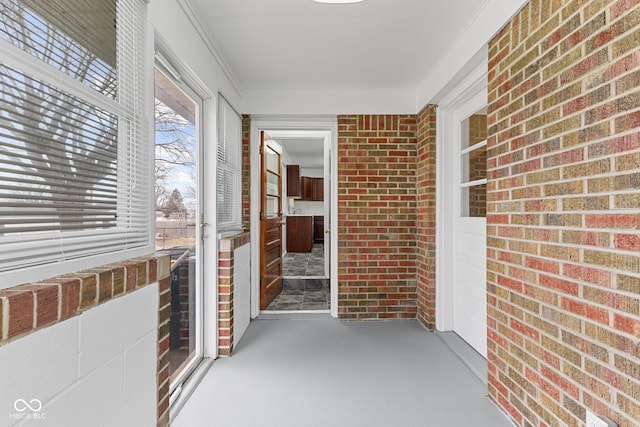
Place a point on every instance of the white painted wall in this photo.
(332, 102)
(242, 291)
(98, 368)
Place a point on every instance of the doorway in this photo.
(462, 192)
(305, 283)
(179, 213)
(305, 212)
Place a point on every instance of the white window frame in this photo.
(134, 164)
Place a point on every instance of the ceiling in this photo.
(307, 152)
(300, 44)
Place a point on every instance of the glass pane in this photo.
(475, 130)
(474, 201)
(272, 161)
(272, 184)
(273, 206)
(58, 159)
(79, 41)
(176, 215)
(474, 165)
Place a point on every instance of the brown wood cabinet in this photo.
(307, 188)
(294, 189)
(299, 233)
(312, 189)
(318, 189)
(318, 229)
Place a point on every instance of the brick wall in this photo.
(377, 216)
(246, 172)
(563, 213)
(426, 217)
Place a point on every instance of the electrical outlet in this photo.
(595, 421)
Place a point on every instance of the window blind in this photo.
(75, 169)
(229, 168)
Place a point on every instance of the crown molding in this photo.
(191, 15)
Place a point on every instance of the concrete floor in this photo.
(312, 371)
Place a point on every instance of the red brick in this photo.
(20, 310)
(627, 324)
(46, 300)
(586, 310)
(628, 242)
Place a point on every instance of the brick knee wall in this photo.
(377, 216)
(31, 307)
(226, 266)
(563, 213)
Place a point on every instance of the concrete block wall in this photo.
(563, 213)
(83, 348)
(377, 216)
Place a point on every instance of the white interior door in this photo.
(467, 160)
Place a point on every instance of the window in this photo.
(229, 171)
(473, 158)
(75, 162)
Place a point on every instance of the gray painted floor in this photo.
(310, 371)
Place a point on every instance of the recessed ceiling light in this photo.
(338, 1)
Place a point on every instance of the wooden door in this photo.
(270, 221)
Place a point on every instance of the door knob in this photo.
(327, 231)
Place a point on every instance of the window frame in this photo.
(134, 166)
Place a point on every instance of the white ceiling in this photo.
(300, 44)
(307, 153)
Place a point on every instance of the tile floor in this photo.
(304, 264)
(302, 294)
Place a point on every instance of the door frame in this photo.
(326, 127)
(447, 129)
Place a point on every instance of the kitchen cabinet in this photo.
(312, 189)
(299, 233)
(294, 188)
(318, 229)
(307, 188)
(318, 189)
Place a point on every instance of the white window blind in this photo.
(75, 159)
(229, 169)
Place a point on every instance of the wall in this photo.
(85, 345)
(234, 302)
(564, 168)
(246, 172)
(426, 217)
(377, 216)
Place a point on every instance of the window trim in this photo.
(141, 172)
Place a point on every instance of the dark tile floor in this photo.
(302, 294)
(304, 264)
